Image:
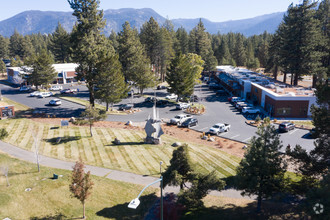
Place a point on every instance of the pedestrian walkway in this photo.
(103, 172)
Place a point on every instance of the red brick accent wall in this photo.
(293, 108)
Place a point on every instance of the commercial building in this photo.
(65, 73)
(279, 100)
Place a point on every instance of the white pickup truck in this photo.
(178, 119)
(219, 128)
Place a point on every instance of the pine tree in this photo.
(111, 84)
(4, 47)
(114, 40)
(3, 68)
(263, 53)
(300, 37)
(43, 71)
(181, 43)
(240, 53)
(86, 41)
(200, 44)
(93, 115)
(224, 54)
(15, 45)
(81, 184)
(60, 44)
(262, 169)
(136, 66)
(166, 50)
(183, 73)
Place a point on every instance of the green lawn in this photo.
(132, 155)
(51, 198)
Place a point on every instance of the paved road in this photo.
(218, 109)
(103, 172)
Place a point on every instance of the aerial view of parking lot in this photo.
(127, 114)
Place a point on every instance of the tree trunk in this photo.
(314, 81)
(296, 76)
(259, 203)
(284, 78)
(84, 216)
(275, 72)
(107, 106)
(90, 129)
(291, 79)
(91, 94)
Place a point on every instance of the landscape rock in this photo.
(211, 139)
(176, 144)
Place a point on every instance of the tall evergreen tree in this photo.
(240, 53)
(2, 67)
(4, 47)
(300, 37)
(263, 53)
(114, 40)
(43, 71)
(136, 66)
(86, 41)
(111, 84)
(60, 44)
(262, 170)
(224, 54)
(166, 50)
(27, 47)
(183, 73)
(200, 44)
(181, 43)
(15, 45)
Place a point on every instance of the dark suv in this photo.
(285, 126)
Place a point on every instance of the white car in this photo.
(182, 105)
(34, 94)
(55, 102)
(25, 89)
(56, 88)
(250, 110)
(178, 119)
(45, 94)
(171, 96)
(218, 128)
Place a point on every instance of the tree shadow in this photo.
(63, 140)
(126, 143)
(59, 216)
(122, 212)
(270, 210)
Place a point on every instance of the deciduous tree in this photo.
(92, 115)
(81, 184)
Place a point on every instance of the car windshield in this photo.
(177, 117)
(216, 126)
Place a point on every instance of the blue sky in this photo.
(214, 10)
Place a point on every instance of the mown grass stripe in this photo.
(19, 132)
(162, 156)
(67, 146)
(100, 148)
(86, 148)
(207, 163)
(96, 154)
(74, 146)
(60, 147)
(48, 145)
(108, 138)
(201, 163)
(139, 162)
(10, 129)
(152, 163)
(81, 150)
(26, 135)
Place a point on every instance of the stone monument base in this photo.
(152, 140)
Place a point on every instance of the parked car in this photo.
(285, 127)
(25, 89)
(171, 96)
(194, 98)
(55, 102)
(219, 128)
(160, 87)
(250, 110)
(238, 99)
(242, 105)
(68, 91)
(161, 102)
(45, 94)
(125, 107)
(179, 119)
(182, 105)
(151, 99)
(56, 88)
(34, 94)
(189, 122)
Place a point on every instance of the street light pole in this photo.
(161, 190)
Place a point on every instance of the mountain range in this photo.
(45, 22)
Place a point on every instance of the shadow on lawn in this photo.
(121, 211)
(270, 210)
(126, 143)
(59, 216)
(62, 140)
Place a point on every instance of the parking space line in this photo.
(247, 139)
(293, 131)
(203, 129)
(234, 136)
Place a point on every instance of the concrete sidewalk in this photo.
(103, 172)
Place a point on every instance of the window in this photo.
(256, 90)
(284, 111)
